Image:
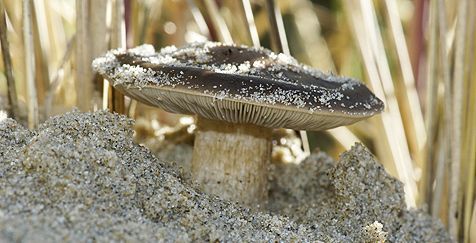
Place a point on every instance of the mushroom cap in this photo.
(238, 84)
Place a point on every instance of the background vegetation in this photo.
(418, 56)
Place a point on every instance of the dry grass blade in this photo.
(43, 52)
(47, 52)
(444, 137)
(118, 40)
(58, 37)
(315, 49)
(469, 126)
(90, 42)
(441, 157)
(376, 64)
(30, 65)
(57, 77)
(457, 113)
(97, 38)
(7, 62)
(278, 34)
(431, 118)
(397, 134)
(344, 137)
(198, 17)
(413, 120)
(250, 22)
(218, 22)
(472, 226)
(469, 218)
(445, 77)
(84, 87)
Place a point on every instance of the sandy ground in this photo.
(80, 178)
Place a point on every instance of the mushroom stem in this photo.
(231, 160)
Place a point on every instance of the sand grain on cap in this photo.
(282, 80)
(239, 75)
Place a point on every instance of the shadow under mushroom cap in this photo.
(238, 84)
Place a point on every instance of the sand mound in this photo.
(80, 177)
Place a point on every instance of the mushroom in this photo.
(238, 94)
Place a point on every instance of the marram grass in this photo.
(426, 137)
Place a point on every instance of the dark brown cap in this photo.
(238, 84)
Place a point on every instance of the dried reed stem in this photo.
(278, 33)
(345, 137)
(376, 64)
(442, 150)
(118, 40)
(431, 118)
(13, 110)
(469, 127)
(472, 231)
(42, 48)
(417, 39)
(199, 19)
(413, 120)
(448, 115)
(57, 77)
(30, 66)
(218, 22)
(91, 41)
(250, 22)
(84, 86)
(444, 138)
(96, 33)
(471, 168)
(397, 133)
(457, 113)
(444, 155)
(56, 31)
(315, 49)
